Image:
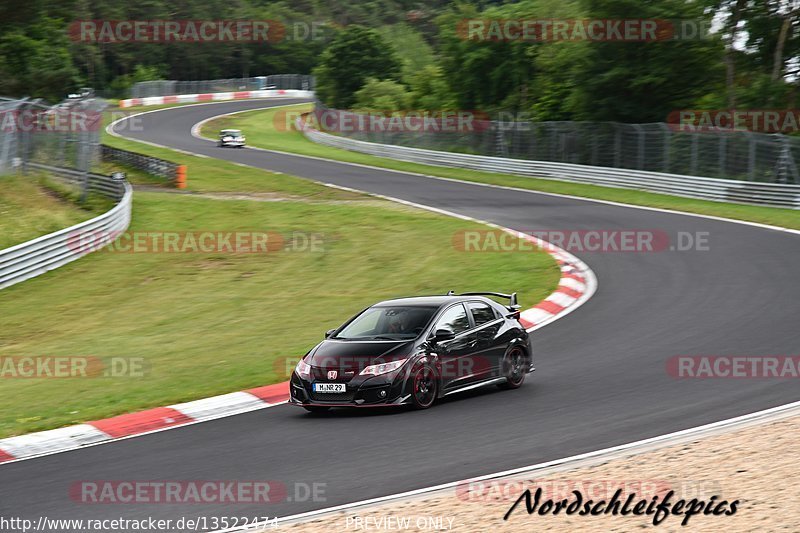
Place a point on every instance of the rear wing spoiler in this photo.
(512, 306)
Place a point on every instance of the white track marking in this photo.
(110, 440)
(575, 461)
(495, 186)
(600, 455)
(206, 409)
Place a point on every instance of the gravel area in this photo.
(753, 466)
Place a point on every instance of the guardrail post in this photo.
(5, 153)
(667, 136)
(785, 168)
(683, 184)
(751, 156)
(639, 146)
(180, 177)
(24, 150)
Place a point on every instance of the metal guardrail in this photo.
(151, 165)
(747, 192)
(670, 148)
(35, 257)
(145, 89)
(99, 183)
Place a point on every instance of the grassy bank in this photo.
(211, 323)
(32, 206)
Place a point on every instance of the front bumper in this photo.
(374, 391)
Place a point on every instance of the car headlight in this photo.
(383, 368)
(303, 369)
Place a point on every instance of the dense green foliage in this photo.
(355, 55)
(391, 54)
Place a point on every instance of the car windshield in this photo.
(388, 323)
(234, 133)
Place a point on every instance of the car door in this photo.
(455, 356)
(489, 348)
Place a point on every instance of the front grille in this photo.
(321, 374)
(332, 397)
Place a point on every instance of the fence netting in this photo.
(657, 147)
(147, 89)
(34, 134)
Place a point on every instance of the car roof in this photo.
(431, 301)
(223, 131)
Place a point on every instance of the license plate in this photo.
(330, 387)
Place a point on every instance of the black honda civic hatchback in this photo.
(413, 351)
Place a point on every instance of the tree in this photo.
(37, 62)
(761, 51)
(644, 82)
(354, 55)
(411, 48)
(120, 86)
(382, 95)
(430, 90)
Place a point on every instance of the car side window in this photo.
(455, 319)
(481, 313)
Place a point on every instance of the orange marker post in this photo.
(180, 177)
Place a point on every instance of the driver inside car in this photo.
(398, 322)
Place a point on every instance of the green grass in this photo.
(32, 206)
(257, 126)
(214, 323)
(213, 175)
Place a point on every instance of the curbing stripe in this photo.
(50, 441)
(572, 283)
(141, 422)
(271, 393)
(218, 406)
(561, 298)
(531, 317)
(563, 289)
(581, 287)
(551, 307)
(127, 425)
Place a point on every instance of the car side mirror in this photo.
(330, 332)
(443, 335)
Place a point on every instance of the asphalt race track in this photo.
(601, 376)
